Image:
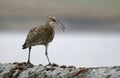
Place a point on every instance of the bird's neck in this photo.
(49, 23)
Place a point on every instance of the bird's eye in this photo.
(53, 19)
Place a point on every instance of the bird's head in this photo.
(53, 19)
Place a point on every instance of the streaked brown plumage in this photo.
(41, 35)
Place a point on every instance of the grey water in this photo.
(88, 49)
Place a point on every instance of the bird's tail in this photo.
(24, 46)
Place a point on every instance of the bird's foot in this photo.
(29, 64)
(55, 65)
(49, 64)
(52, 64)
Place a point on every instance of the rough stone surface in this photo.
(22, 70)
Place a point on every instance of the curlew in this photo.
(42, 35)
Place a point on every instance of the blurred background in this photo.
(92, 36)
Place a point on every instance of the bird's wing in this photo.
(35, 34)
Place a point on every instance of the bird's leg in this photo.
(46, 47)
(28, 62)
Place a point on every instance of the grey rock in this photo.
(20, 70)
(6, 70)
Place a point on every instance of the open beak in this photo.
(61, 25)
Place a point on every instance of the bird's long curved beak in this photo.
(61, 25)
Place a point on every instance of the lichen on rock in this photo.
(22, 70)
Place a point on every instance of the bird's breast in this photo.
(50, 34)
